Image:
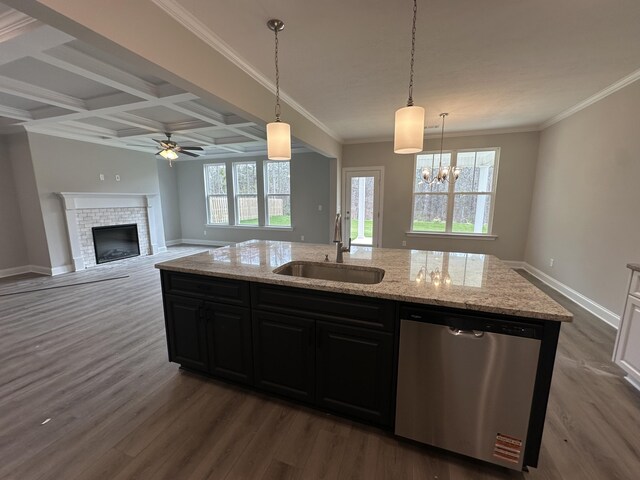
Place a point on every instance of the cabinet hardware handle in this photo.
(419, 317)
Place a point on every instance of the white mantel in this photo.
(74, 201)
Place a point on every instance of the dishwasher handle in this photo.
(467, 333)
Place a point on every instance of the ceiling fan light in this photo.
(409, 130)
(278, 141)
(168, 154)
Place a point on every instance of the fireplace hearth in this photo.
(115, 242)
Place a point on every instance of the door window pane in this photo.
(429, 213)
(361, 210)
(471, 213)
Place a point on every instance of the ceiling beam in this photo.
(80, 63)
(22, 89)
(14, 23)
(91, 129)
(16, 113)
(135, 121)
(207, 115)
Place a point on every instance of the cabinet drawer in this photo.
(634, 289)
(348, 309)
(214, 289)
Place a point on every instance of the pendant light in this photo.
(278, 133)
(445, 174)
(409, 128)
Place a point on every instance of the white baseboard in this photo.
(162, 249)
(195, 241)
(592, 307)
(171, 243)
(515, 264)
(9, 272)
(61, 270)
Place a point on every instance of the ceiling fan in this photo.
(171, 149)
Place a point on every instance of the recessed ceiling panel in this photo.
(19, 102)
(162, 114)
(46, 76)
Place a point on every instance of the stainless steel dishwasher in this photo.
(465, 384)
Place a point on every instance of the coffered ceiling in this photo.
(54, 84)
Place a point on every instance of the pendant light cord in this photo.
(277, 80)
(413, 52)
(443, 115)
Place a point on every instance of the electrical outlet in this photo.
(101, 177)
(404, 243)
(319, 208)
(205, 233)
(117, 178)
(551, 261)
(302, 238)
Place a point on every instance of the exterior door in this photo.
(362, 205)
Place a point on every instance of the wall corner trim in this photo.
(588, 304)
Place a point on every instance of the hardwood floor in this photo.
(86, 392)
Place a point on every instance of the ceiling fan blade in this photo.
(189, 153)
(191, 148)
(158, 141)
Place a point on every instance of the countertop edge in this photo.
(345, 289)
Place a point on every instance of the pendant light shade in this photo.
(409, 131)
(278, 133)
(278, 141)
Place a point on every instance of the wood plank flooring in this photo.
(86, 392)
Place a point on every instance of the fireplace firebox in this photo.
(115, 242)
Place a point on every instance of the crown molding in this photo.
(613, 88)
(193, 24)
(469, 133)
(14, 23)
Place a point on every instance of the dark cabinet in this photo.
(186, 327)
(229, 342)
(354, 371)
(284, 354)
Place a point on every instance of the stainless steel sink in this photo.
(331, 271)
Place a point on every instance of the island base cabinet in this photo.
(283, 352)
(186, 332)
(354, 372)
(229, 342)
(210, 337)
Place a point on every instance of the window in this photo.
(277, 193)
(464, 206)
(245, 187)
(215, 179)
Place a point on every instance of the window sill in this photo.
(456, 236)
(251, 227)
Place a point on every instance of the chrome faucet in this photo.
(337, 239)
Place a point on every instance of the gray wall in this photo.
(517, 166)
(13, 248)
(27, 195)
(310, 187)
(170, 200)
(62, 165)
(586, 199)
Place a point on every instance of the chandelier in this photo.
(445, 174)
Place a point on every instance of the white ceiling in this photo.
(54, 84)
(492, 64)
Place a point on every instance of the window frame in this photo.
(265, 165)
(207, 195)
(451, 194)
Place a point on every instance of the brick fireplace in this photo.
(87, 210)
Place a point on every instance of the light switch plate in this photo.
(117, 178)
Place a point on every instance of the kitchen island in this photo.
(336, 345)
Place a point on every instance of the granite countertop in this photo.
(461, 280)
(634, 266)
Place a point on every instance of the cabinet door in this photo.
(284, 354)
(229, 342)
(628, 343)
(186, 332)
(354, 371)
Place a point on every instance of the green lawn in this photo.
(418, 226)
(276, 221)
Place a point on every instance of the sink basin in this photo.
(336, 272)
